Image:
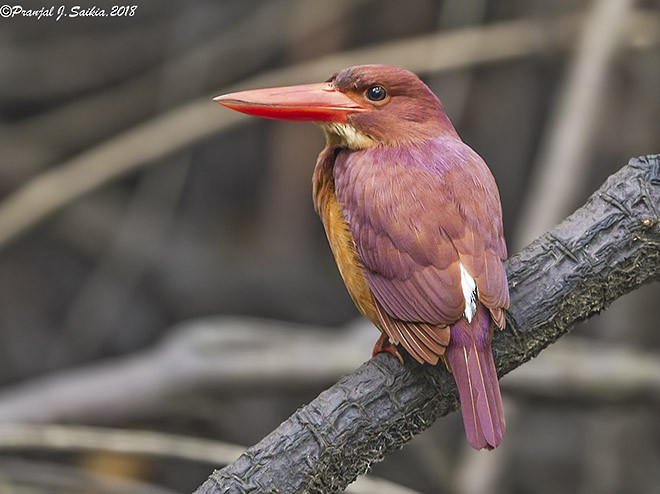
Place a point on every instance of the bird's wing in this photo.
(415, 220)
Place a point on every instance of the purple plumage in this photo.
(471, 360)
(426, 220)
(413, 218)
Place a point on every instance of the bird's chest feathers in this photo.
(340, 237)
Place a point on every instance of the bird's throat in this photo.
(346, 136)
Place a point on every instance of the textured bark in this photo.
(605, 249)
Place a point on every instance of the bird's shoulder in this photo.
(410, 193)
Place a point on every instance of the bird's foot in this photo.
(384, 345)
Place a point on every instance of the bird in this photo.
(414, 221)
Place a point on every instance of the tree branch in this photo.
(605, 249)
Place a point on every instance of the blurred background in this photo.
(162, 269)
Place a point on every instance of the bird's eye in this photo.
(376, 93)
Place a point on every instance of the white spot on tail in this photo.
(469, 287)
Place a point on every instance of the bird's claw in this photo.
(384, 345)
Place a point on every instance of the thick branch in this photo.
(607, 248)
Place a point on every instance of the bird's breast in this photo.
(340, 237)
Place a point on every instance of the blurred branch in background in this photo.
(110, 287)
(227, 355)
(132, 442)
(49, 478)
(176, 129)
(562, 164)
(124, 441)
(559, 175)
(456, 89)
(475, 471)
(146, 222)
(234, 356)
(32, 144)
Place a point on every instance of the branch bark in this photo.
(605, 249)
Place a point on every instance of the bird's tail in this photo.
(471, 360)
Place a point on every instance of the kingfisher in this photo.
(414, 221)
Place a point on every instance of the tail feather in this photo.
(471, 360)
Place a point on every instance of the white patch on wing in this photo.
(469, 287)
(348, 135)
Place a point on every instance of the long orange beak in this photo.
(317, 102)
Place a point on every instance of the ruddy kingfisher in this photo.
(414, 221)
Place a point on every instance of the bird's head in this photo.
(358, 107)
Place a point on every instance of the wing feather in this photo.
(415, 214)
